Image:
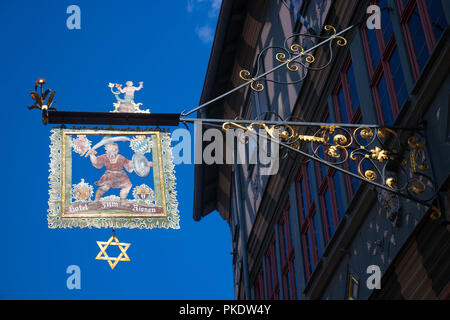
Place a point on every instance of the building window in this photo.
(271, 272)
(387, 80)
(287, 255)
(423, 22)
(348, 110)
(309, 228)
(346, 98)
(330, 194)
(259, 285)
(353, 287)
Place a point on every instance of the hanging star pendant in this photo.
(113, 261)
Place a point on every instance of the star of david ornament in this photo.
(113, 261)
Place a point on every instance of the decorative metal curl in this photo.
(435, 213)
(295, 48)
(342, 42)
(281, 57)
(295, 57)
(245, 75)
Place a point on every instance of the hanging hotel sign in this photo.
(125, 179)
(111, 179)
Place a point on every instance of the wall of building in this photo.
(362, 234)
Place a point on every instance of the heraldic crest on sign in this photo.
(112, 178)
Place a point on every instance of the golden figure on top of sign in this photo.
(127, 104)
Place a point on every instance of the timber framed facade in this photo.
(310, 232)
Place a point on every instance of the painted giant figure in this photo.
(114, 176)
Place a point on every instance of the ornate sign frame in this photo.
(149, 209)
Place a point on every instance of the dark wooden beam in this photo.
(110, 118)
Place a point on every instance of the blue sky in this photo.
(164, 44)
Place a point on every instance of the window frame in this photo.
(259, 285)
(307, 223)
(325, 183)
(353, 116)
(406, 12)
(383, 69)
(272, 272)
(287, 255)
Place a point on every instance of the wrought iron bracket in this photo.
(294, 56)
(390, 158)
